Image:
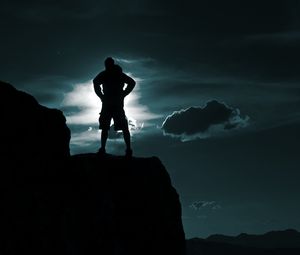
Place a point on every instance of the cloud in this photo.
(49, 10)
(198, 205)
(82, 106)
(89, 105)
(196, 122)
(133, 125)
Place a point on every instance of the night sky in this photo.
(217, 96)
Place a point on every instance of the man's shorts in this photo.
(115, 113)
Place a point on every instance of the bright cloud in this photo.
(89, 105)
(202, 122)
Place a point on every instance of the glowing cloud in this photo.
(88, 104)
(196, 122)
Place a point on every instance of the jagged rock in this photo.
(54, 203)
(29, 129)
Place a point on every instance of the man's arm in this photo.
(130, 84)
(97, 81)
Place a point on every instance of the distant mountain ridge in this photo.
(282, 242)
(289, 238)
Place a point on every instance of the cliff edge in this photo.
(54, 203)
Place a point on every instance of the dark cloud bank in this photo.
(198, 122)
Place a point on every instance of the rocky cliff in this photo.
(54, 203)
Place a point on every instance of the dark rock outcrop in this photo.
(29, 129)
(133, 202)
(54, 203)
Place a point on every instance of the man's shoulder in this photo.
(102, 72)
(100, 75)
(126, 76)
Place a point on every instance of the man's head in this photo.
(109, 63)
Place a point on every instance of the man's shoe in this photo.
(101, 151)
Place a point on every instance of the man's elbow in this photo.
(133, 83)
(95, 86)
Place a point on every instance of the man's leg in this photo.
(104, 124)
(126, 135)
(120, 122)
(104, 136)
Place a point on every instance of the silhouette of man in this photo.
(109, 85)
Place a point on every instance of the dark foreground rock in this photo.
(136, 209)
(54, 203)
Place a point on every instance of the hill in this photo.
(286, 242)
